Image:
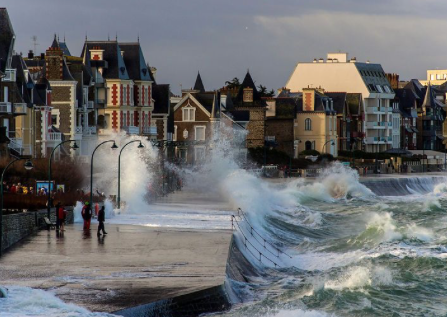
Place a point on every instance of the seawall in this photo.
(21, 225)
(403, 185)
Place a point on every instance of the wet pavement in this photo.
(132, 265)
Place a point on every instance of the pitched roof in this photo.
(60, 45)
(354, 101)
(206, 99)
(339, 99)
(112, 54)
(286, 108)
(161, 95)
(215, 109)
(22, 80)
(248, 83)
(199, 84)
(6, 40)
(135, 62)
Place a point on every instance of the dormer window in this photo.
(189, 113)
(248, 95)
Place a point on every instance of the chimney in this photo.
(321, 60)
(315, 60)
(30, 54)
(54, 64)
(154, 72)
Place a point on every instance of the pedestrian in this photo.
(61, 215)
(101, 219)
(87, 215)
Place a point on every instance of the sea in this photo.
(331, 246)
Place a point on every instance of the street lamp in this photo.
(114, 146)
(140, 146)
(333, 143)
(74, 147)
(28, 166)
(295, 146)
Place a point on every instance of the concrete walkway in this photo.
(132, 265)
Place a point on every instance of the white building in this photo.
(338, 74)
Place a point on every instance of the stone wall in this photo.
(19, 226)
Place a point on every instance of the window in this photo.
(124, 119)
(131, 119)
(131, 95)
(189, 114)
(200, 133)
(308, 124)
(54, 120)
(308, 145)
(199, 154)
(174, 137)
(438, 76)
(432, 77)
(124, 95)
(379, 88)
(185, 134)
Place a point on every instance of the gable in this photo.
(201, 114)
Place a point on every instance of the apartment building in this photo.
(338, 73)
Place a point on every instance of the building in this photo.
(123, 89)
(435, 77)
(280, 118)
(201, 120)
(245, 99)
(315, 126)
(337, 73)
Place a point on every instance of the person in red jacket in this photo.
(87, 215)
(61, 215)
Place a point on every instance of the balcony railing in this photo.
(20, 108)
(100, 101)
(18, 146)
(55, 136)
(376, 139)
(90, 105)
(90, 131)
(78, 130)
(10, 75)
(131, 130)
(150, 130)
(5, 107)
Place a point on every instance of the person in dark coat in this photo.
(87, 215)
(101, 219)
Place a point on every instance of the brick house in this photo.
(123, 87)
(200, 116)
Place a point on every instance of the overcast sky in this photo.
(222, 39)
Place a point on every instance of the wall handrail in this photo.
(265, 242)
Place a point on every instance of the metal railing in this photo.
(5, 107)
(78, 130)
(150, 130)
(258, 254)
(131, 129)
(90, 105)
(20, 108)
(54, 136)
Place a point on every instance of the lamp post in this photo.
(74, 147)
(119, 169)
(333, 143)
(114, 146)
(28, 166)
(295, 146)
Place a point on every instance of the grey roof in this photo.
(374, 76)
(215, 109)
(135, 63)
(239, 115)
(161, 94)
(7, 38)
(21, 78)
(339, 99)
(286, 107)
(199, 83)
(206, 99)
(61, 45)
(112, 54)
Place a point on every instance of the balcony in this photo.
(100, 101)
(55, 136)
(356, 134)
(150, 130)
(18, 146)
(5, 107)
(90, 131)
(131, 130)
(78, 130)
(90, 105)
(20, 108)
(10, 75)
(378, 139)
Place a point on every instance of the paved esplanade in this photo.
(132, 265)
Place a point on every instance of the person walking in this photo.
(87, 215)
(101, 219)
(61, 215)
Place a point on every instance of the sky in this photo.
(222, 39)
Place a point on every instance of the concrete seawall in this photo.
(19, 226)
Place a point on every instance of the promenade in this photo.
(132, 265)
